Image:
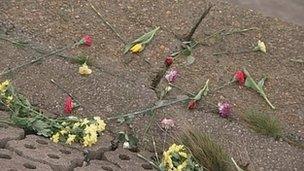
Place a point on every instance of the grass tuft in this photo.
(264, 124)
(205, 151)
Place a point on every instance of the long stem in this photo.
(107, 23)
(227, 53)
(151, 108)
(37, 59)
(267, 100)
(65, 91)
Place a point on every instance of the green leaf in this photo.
(133, 141)
(250, 83)
(261, 82)
(203, 91)
(206, 90)
(187, 51)
(144, 39)
(190, 59)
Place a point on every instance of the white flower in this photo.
(168, 88)
(126, 145)
(260, 47)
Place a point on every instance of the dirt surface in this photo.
(53, 24)
(290, 11)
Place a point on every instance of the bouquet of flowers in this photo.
(63, 129)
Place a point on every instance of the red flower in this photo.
(169, 61)
(86, 40)
(240, 76)
(192, 104)
(68, 105)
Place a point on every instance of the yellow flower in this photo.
(3, 85)
(183, 154)
(137, 48)
(84, 121)
(71, 138)
(85, 70)
(76, 125)
(167, 158)
(90, 139)
(63, 131)
(101, 125)
(91, 129)
(182, 166)
(55, 137)
(261, 47)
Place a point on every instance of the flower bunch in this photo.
(84, 131)
(176, 158)
(62, 129)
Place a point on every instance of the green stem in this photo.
(149, 109)
(38, 59)
(267, 100)
(179, 88)
(107, 23)
(65, 91)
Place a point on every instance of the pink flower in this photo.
(225, 109)
(171, 76)
(167, 123)
(193, 104)
(68, 105)
(169, 61)
(240, 76)
(86, 40)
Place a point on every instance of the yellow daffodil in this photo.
(182, 166)
(63, 131)
(84, 122)
(167, 158)
(76, 125)
(55, 137)
(85, 70)
(71, 138)
(260, 47)
(137, 48)
(4, 85)
(89, 139)
(91, 129)
(101, 125)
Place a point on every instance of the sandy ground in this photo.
(289, 10)
(53, 24)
